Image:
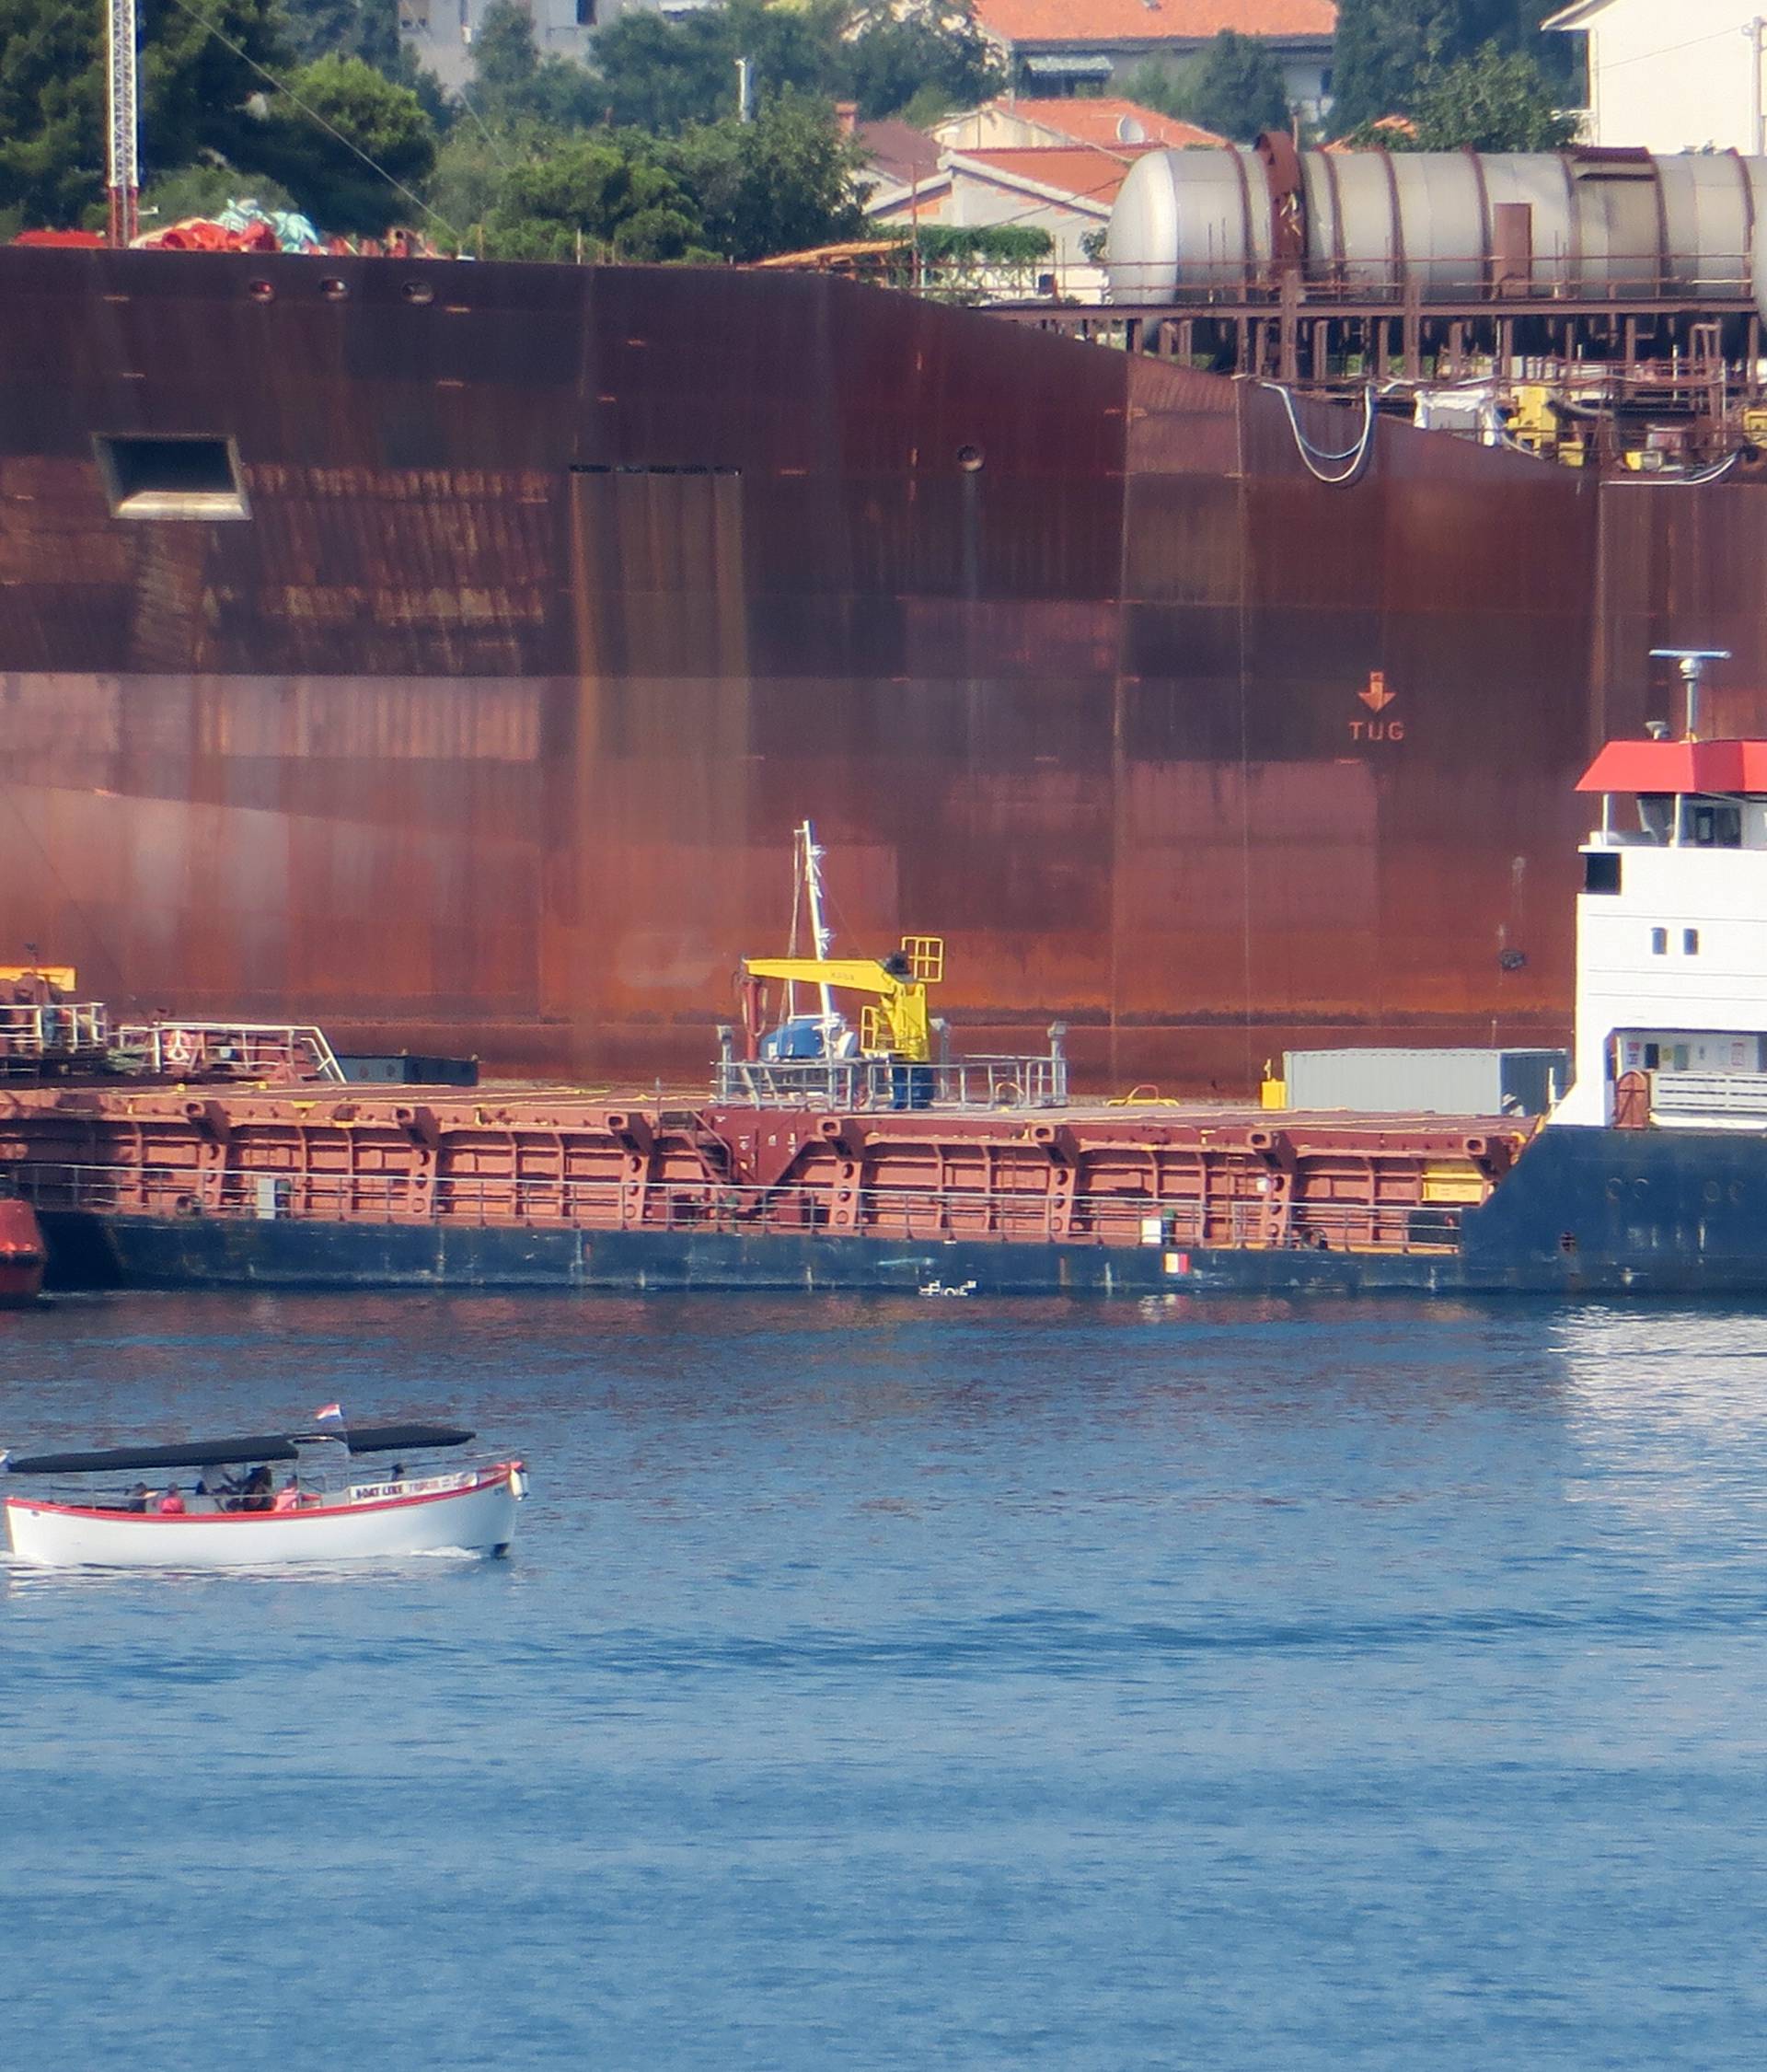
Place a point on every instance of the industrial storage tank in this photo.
(1220, 225)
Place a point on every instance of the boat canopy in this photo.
(221, 1452)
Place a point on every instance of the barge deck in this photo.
(544, 1187)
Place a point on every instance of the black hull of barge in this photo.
(1586, 1212)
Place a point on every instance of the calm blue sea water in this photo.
(882, 1683)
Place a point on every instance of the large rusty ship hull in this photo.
(550, 598)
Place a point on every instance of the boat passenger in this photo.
(171, 1505)
(290, 1497)
(136, 1498)
(255, 1491)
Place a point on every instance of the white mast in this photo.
(822, 937)
(122, 158)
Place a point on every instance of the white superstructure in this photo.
(1671, 938)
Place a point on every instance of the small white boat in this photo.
(244, 1524)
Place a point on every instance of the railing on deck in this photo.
(1719, 1100)
(905, 1214)
(33, 1034)
(858, 1085)
(282, 1051)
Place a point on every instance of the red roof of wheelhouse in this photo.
(1679, 766)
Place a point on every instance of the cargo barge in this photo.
(1649, 1175)
(1207, 1203)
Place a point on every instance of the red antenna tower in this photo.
(122, 158)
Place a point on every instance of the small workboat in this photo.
(237, 1516)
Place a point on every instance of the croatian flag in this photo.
(329, 1410)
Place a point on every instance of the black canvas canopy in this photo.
(221, 1452)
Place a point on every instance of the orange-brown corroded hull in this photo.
(564, 593)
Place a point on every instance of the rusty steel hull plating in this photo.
(562, 594)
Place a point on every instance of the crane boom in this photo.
(857, 974)
(902, 999)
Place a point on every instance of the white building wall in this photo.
(977, 201)
(1673, 75)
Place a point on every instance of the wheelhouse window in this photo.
(1659, 942)
(1601, 870)
(1711, 824)
(1689, 941)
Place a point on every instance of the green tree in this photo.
(1380, 52)
(604, 196)
(657, 74)
(51, 123)
(1155, 86)
(738, 191)
(1235, 87)
(512, 81)
(352, 28)
(1387, 50)
(198, 96)
(781, 183)
(504, 54)
(660, 76)
(899, 51)
(470, 169)
(194, 90)
(1492, 100)
(387, 125)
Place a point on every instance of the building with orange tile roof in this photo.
(1060, 46)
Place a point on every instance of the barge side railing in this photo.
(902, 1214)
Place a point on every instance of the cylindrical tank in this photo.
(1196, 227)
(1197, 222)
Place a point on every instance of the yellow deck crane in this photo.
(894, 1025)
(888, 1060)
(894, 1022)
